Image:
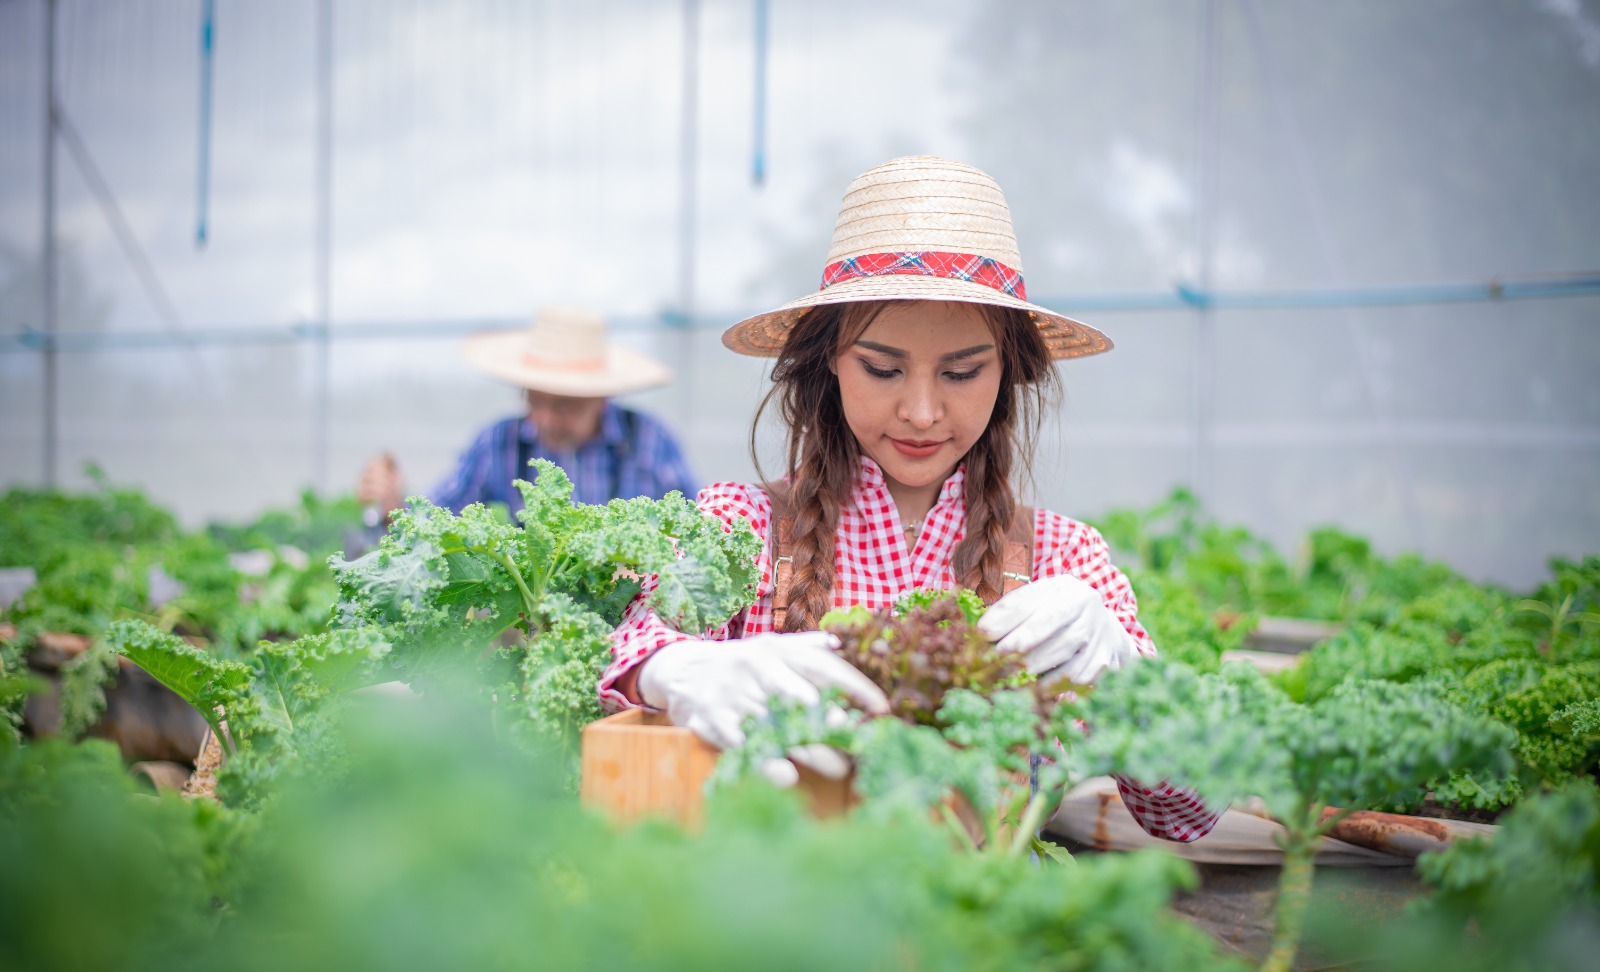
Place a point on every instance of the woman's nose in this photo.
(919, 408)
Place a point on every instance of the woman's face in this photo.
(918, 386)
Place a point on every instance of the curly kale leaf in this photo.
(1579, 720)
(437, 568)
(389, 585)
(1527, 695)
(903, 768)
(560, 670)
(1221, 734)
(597, 553)
(300, 688)
(787, 725)
(1399, 654)
(1569, 607)
(434, 568)
(971, 605)
(1233, 734)
(1005, 727)
(295, 678)
(440, 586)
(84, 681)
(705, 574)
(1374, 742)
(204, 681)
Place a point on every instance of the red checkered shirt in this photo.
(874, 567)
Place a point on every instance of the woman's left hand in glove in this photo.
(1063, 628)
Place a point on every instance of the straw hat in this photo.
(920, 228)
(564, 352)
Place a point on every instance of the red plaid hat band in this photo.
(951, 266)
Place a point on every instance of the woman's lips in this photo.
(916, 448)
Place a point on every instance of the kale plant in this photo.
(1491, 657)
(535, 603)
(1233, 734)
(277, 715)
(520, 614)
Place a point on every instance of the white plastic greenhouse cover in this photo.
(493, 155)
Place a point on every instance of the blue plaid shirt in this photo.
(634, 455)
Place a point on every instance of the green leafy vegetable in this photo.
(1232, 735)
(82, 694)
(536, 603)
(924, 648)
(218, 689)
(16, 684)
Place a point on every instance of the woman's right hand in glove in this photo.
(711, 687)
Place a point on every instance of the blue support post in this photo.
(208, 14)
(758, 162)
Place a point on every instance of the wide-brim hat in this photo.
(564, 351)
(921, 228)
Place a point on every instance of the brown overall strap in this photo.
(1019, 551)
(1018, 568)
(780, 543)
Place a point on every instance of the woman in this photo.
(911, 386)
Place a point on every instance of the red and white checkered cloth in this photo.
(873, 567)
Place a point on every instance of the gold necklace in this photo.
(912, 529)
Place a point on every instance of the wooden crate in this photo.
(637, 764)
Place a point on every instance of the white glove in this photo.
(711, 687)
(1062, 627)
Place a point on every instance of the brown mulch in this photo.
(203, 784)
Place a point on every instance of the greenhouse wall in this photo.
(1315, 232)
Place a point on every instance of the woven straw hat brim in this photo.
(499, 354)
(763, 336)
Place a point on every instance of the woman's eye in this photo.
(879, 372)
(962, 375)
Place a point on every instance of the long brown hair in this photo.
(822, 454)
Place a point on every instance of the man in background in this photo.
(568, 371)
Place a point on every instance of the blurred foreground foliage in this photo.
(442, 847)
(1526, 899)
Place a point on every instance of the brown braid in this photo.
(822, 454)
(979, 559)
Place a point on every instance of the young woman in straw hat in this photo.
(912, 385)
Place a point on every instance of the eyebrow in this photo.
(899, 353)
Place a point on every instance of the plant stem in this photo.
(1294, 893)
(954, 823)
(1032, 817)
(529, 603)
